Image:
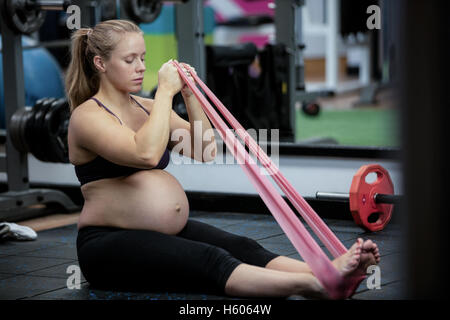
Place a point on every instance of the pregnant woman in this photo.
(134, 230)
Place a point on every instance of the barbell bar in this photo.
(341, 196)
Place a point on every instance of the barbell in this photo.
(371, 203)
(42, 130)
(27, 16)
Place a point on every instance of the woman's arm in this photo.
(201, 131)
(201, 145)
(151, 139)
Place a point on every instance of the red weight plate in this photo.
(362, 198)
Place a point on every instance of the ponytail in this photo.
(81, 79)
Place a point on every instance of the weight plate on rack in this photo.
(55, 128)
(143, 11)
(21, 17)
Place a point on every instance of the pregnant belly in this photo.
(148, 199)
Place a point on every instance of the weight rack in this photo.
(18, 202)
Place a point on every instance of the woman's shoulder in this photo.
(86, 106)
(147, 103)
(84, 111)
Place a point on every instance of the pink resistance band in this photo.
(337, 286)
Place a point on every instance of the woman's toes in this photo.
(368, 245)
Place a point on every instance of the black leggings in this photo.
(200, 258)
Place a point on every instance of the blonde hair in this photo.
(82, 79)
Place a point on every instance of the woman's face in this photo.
(126, 66)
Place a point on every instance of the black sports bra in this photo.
(100, 168)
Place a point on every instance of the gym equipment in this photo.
(108, 9)
(55, 130)
(16, 127)
(19, 201)
(32, 129)
(42, 130)
(311, 108)
(139, 11)
(27, 16)
(143, 11)
(334, 283)
(288, 31)
(43, 76)
(371, 203)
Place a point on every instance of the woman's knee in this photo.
(218, 265)
(251, 252)
(245, 243)
(233, 281)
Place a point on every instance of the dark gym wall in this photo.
(424, 91)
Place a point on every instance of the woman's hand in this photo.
(186, 91)
(169, 79)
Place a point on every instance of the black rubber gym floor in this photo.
(37, 270)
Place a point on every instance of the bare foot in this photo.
(349, 261)
(354, 263)
(356, 260)
(353, 267)
(368, 248)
